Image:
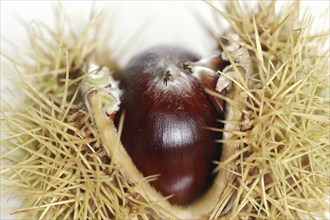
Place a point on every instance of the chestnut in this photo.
(167, 116)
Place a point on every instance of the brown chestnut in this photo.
(167, 113)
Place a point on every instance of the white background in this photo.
(166, 22)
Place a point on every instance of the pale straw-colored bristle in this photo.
(285, 157)
(53, 160)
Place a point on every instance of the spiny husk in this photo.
(56, 166)
(51, 155)
(284, 164)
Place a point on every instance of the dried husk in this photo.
(284, 165)
(276, 146)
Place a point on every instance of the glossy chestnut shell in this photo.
(167, 113)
